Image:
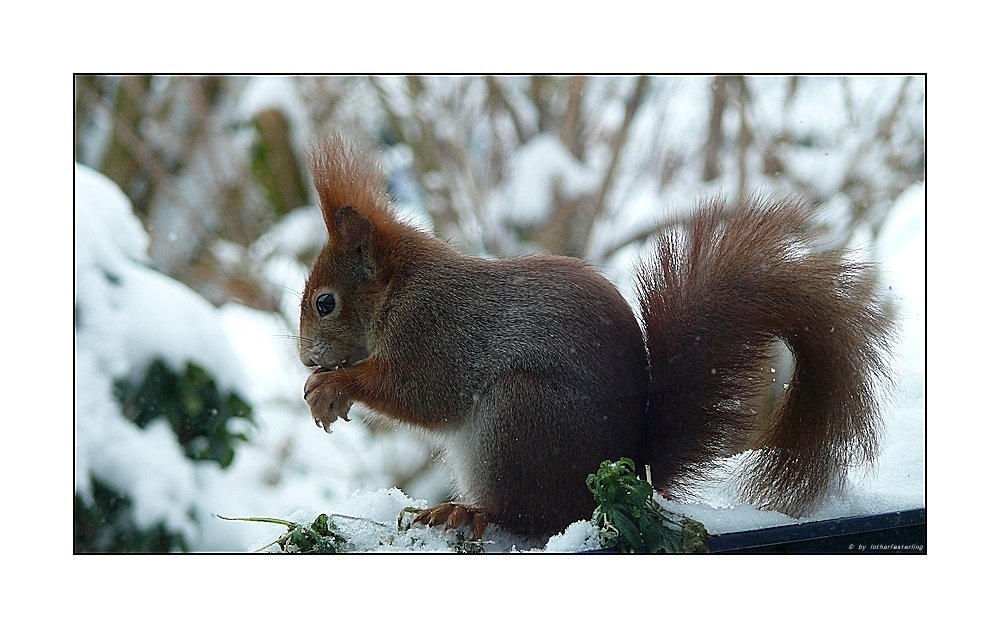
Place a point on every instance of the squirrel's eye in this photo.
(325, 304)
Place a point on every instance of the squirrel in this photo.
(531, 371)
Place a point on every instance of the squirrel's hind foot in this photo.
(454, 515)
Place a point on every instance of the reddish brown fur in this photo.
(713, 300)
(343, 177)
(532, 371)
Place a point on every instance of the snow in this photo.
(105, 225)
(369, 520)
(122, 304)
(268, 92)
(580, 536)
(274, 93)
(540, 171)
(129, 314)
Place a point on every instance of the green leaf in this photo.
(202, 416)
(630, 533)
(630, 519)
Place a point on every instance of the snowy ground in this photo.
(291, 469)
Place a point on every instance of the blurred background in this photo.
(196, 224)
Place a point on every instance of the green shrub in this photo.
(104, 524)
(202, 417)
(192, 404)
(632, 521)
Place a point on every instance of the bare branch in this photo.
(585, 224)
(569, 130)
(499, 95)
(713, 142)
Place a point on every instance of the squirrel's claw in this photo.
(454, 515)
(326, 403)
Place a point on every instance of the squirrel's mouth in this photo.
(314, 353)
(345, 363)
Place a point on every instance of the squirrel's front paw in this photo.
(326, 402)
(454, 515)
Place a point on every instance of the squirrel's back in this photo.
(540, 367)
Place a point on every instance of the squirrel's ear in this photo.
(350, 227)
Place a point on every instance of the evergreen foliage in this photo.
(104, 524)
(200, 415)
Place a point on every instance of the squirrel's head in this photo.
(344, 285)
(340, 294)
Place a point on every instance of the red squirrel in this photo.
(531, 371)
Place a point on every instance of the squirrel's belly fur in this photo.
(535, 370)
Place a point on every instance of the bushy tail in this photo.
(713, 300)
